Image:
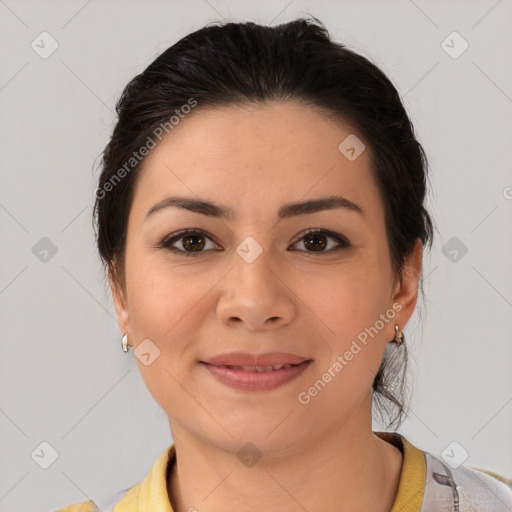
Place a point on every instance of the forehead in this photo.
(247, 156)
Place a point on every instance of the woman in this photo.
(261, 217)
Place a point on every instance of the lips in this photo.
(256, 378)
(256, 362)
(268, 368)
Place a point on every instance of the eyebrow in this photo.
(211, 209)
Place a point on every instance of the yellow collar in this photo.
(412, 478)
(151, 493)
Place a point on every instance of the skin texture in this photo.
(253, 159)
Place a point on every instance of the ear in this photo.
(121, 305)
(406, 290)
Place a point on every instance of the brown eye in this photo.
(193, 242)
(317, 240)
(189, 243)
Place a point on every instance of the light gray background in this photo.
(63, 376)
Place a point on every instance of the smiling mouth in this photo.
(257, 368)
(256, 378)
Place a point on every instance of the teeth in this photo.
(258, 368)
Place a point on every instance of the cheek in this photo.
(347, 301)
(166, 312)
(350, 303)
(159, 299)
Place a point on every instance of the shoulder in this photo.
(104, 503)
(464, 488)
(152, 487)
(501, 478)
(84, 506)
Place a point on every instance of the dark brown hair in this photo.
(234, 63)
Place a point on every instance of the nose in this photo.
(256, 296)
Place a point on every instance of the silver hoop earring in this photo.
(399, 336)
(124, 343)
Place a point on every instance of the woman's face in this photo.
(254, 282)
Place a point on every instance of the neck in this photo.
(348, 469)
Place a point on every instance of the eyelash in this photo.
(167, 243)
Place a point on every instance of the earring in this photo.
(124, 343)
(399, 336)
